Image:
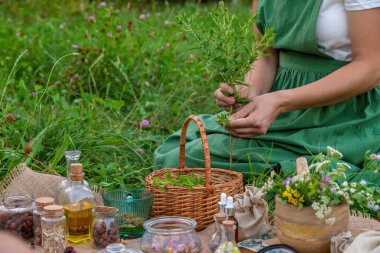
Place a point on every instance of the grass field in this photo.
(80, 75)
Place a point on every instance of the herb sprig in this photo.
(228, 47)
(188, 181)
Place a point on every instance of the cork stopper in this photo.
(76, 172)
(228, 223)
(220, 217)
(42, 202)
(53, 211)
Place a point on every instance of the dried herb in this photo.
(54, 238)
(189, 181)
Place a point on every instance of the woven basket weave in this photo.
(199, 203)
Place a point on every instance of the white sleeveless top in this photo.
(332, 30)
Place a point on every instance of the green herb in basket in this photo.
(188, 181)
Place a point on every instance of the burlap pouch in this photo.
(251, 212)
(23, 180)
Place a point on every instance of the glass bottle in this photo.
(104, 227)
(78, 202)
(72, 156)
(16, 215)
(228, 243)
(216, 235)
(37, 215)
(230, 213)
(53, 224)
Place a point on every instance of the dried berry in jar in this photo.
(104, 228)
(16, 215)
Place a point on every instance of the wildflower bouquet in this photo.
(322, 186)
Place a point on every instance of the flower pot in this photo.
(303, 231)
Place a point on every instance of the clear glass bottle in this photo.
(104, 227)
(53, 224)
(216, 235)
(72, 156)
(230, 213)
(16, 215)
(228, 243)
(37, 215)
(78, 202)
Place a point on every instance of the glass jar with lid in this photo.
(37, 215)
(53, 224)
(170, 234)
(118, 248)
(16, 215)
(104, 227)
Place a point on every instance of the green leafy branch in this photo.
(228, 47)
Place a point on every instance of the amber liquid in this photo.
(78, 221)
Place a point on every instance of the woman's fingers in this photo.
(221, 98)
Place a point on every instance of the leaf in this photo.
(59, 154)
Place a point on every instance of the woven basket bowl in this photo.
(199, 203)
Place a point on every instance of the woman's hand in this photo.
(256, 117)
(225, 96)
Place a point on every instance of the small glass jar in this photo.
(37, 215)
(170, 234)
(118, 248)
(104, 227)
(16, 215)
(53, 224)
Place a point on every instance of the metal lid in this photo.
(119, 248)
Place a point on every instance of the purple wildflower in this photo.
(109, 35)
(91, 19)
(118, 28)
(376, 208)
(144, 123)
(75, 46)
(142, 16)
(321, 186)
(287, 181)
(326, 180)
(102, 5)
(333, 190)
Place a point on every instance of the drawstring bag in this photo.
(251, 213)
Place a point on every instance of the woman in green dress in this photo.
(318, 88)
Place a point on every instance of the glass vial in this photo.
(78, 202)
(53, 224)
(37, 215)
(104, 226)
(216, 235)
(230, 213)
(228, 243)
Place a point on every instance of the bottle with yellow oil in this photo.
(78, 201)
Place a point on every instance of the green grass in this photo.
(85, 85)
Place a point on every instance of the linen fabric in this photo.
(251, 212)
(352, 126)
(368, 242)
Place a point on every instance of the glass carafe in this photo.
(72, 156)
(78, 202)
(216, 235)
(228, 244)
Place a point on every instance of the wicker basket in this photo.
(199, 203)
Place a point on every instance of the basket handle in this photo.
(206, 150)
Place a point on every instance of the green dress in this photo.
(352, 126)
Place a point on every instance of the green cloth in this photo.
(352, 126)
